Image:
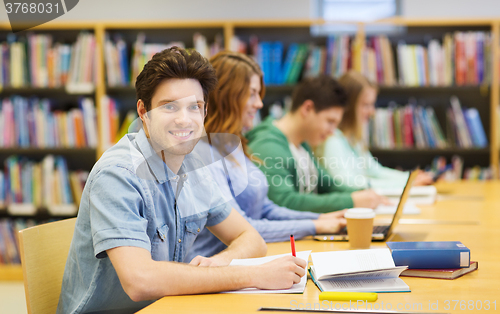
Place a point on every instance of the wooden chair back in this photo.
(44, 250)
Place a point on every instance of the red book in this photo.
(408, 127)
(460, 61)
(440, 273)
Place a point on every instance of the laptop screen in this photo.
(402, 201)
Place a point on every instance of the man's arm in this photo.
(142, 278)
(241, 238)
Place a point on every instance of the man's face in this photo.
(175, 122)
(322, 124)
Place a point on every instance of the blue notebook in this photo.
(422, 255)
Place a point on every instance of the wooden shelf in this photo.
(120, 90)
(450, 150)
(54, 151)
(42, 91)
(10, 272)
(435, 88)
(41, 215)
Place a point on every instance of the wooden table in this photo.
(468, 212)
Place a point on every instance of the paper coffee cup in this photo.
(360, 227)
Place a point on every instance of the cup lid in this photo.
(360, 213)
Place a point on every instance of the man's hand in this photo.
(423, 178)
(333, 215)
(326, 226)
(208, 261)
(281, 273)
(369, 199)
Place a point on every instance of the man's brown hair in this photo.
(174, 63)
(323, 90)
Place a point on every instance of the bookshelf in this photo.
(486, 98)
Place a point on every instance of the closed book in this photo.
(475, 127)
(440, 273)
(425, 255)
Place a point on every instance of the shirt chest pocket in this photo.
(193, 227)
(160, 245)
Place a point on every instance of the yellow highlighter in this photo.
(348, 296)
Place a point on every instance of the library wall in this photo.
(449, 8)
(98, 10)
(256, 9)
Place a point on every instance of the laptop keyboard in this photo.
(376, 229)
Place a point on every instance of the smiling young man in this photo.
(296, 180)
(150, 195)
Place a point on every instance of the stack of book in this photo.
(463, 58)
(38, 62)
(30, 185)
(438, 259)
(33, 123)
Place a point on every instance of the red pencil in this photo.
(292, 243)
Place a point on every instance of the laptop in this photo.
(380, 232)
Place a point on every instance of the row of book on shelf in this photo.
(111, 130)
(122, 70)
(417, 126)
(460, 58)
(35, 60)
(27, 186)
(34, 122)
(37, 123)
(455, 171)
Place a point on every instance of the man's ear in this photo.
(141, 110)
(306, 108)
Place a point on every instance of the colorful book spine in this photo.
(32, 123)
(40, 184)
(406, 127)
(35, 60)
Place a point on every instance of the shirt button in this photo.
(198, 229)
(180, 240)
(184, 175)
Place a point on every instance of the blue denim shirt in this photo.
(249, 185)
(129, 200)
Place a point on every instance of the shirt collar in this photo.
(159, 169)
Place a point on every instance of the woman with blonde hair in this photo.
(231, 110)
(345, 153)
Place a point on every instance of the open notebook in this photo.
(296, 288)
(357, 270)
